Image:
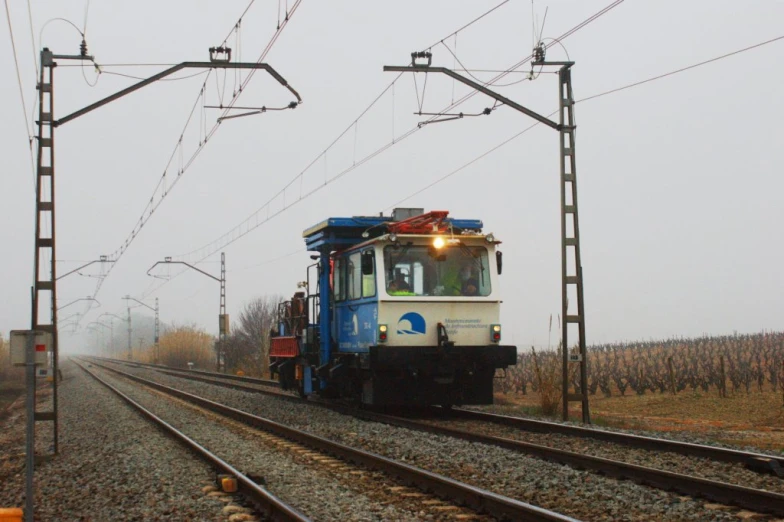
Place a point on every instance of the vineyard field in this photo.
(730, 388)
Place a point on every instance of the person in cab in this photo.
(469, 285)
(399, 286)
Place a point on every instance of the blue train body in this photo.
(400, 310)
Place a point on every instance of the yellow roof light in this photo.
(438, 242)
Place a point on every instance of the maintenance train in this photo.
(396, 310)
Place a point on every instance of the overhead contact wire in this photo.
(151, 206)
(28, 132)
(582, 100)
(223, 241)
(220, 243)
(32, 36)
(232, 235)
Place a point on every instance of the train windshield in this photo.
(421, 270)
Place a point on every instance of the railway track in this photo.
(270, 505)
(428, 483)
(754, 461)
(757, 500)
(254, 380)
(759, 462)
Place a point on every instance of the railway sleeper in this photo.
(765, 465)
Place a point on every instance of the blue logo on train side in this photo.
(411, 323)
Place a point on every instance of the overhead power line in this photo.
(255, 220)
(18, 74)
(237, 232)
(524, 131)
(527, 129)
(21, 93)
(693, 66)
(32, 37)
(588, 98)
(185, 163)
(57, 19)
(125, 64)
(161, 189)
(258, 217)
(132, 77)
(466, 165)
(265, 213)
(469, 24)
(86, 12)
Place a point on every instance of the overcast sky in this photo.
(680, 186)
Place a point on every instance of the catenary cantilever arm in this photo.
(181, 263)
(113, 315)
(141, 303)
(84, 266)
(172, 70)
(99, 324)
(478, 86)
(80, 299)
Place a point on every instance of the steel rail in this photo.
(473, 497)
(194, 375)
(748, 458)
(269, 504)
(233, 385)
(761, 501)
(756, 500)
(243, 378)
(753, 460)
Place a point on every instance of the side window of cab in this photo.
(353, 276)
(368, 272)
(338, 280)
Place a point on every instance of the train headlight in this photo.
(382, 333)
(495, 333)
(438, 242)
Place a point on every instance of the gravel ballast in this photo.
(320, 487)
(732, 473)
(551, 486)
(112, 464)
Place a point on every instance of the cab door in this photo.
(356, 300)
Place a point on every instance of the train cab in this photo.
(405, 311)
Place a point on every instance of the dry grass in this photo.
(547, 368)
(755, 419)
(8, 373)
(11, 378)
(180, 346)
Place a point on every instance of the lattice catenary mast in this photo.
(570, 235)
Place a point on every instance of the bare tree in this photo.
(247, 347)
